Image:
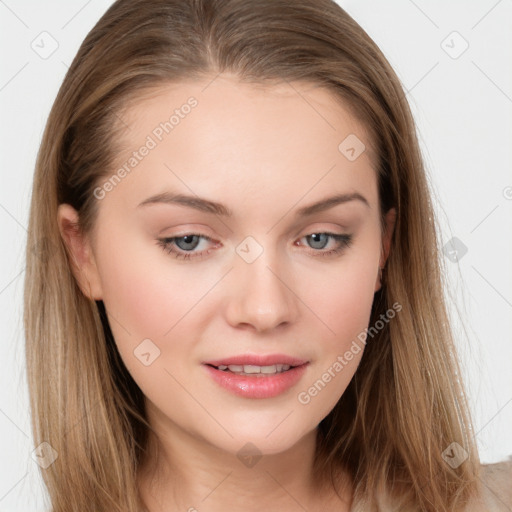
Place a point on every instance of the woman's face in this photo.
(219, 246)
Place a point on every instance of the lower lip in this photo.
(257, 387)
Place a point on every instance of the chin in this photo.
(273, 435)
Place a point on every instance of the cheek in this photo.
(143, 287)
(145, 297)
(345, 311)
(343, 302)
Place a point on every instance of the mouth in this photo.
(251, 370)
(253, 376)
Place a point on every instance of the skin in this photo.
(264, 152)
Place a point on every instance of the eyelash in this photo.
(344, 241)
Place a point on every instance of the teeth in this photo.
(254, 369)
(249, 368)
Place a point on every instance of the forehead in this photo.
(227, 136)
(228, 101)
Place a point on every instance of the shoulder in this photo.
(495, 491)
(496, 486)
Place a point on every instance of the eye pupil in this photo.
(189, 240)
(320, 238)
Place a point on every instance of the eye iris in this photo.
(321, 238)
(190, 240)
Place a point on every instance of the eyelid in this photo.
(186, 229)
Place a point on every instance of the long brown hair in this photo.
(405, 404)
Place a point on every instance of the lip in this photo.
(267, 386)
(258, 360)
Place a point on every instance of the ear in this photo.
(81, 257)
(390, 220)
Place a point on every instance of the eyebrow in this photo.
(208, 206)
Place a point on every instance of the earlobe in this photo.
(80, 254)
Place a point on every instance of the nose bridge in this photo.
(261, 295)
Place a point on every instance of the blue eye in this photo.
(322, 239)
(183, 247)
(185, 243)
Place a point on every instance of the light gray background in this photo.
(463, 107)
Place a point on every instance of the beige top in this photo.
(496, 492)
(496, 488)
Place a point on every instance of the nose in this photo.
(262, 296)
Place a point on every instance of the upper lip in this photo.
(257, 360)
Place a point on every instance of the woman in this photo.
(241, 305)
